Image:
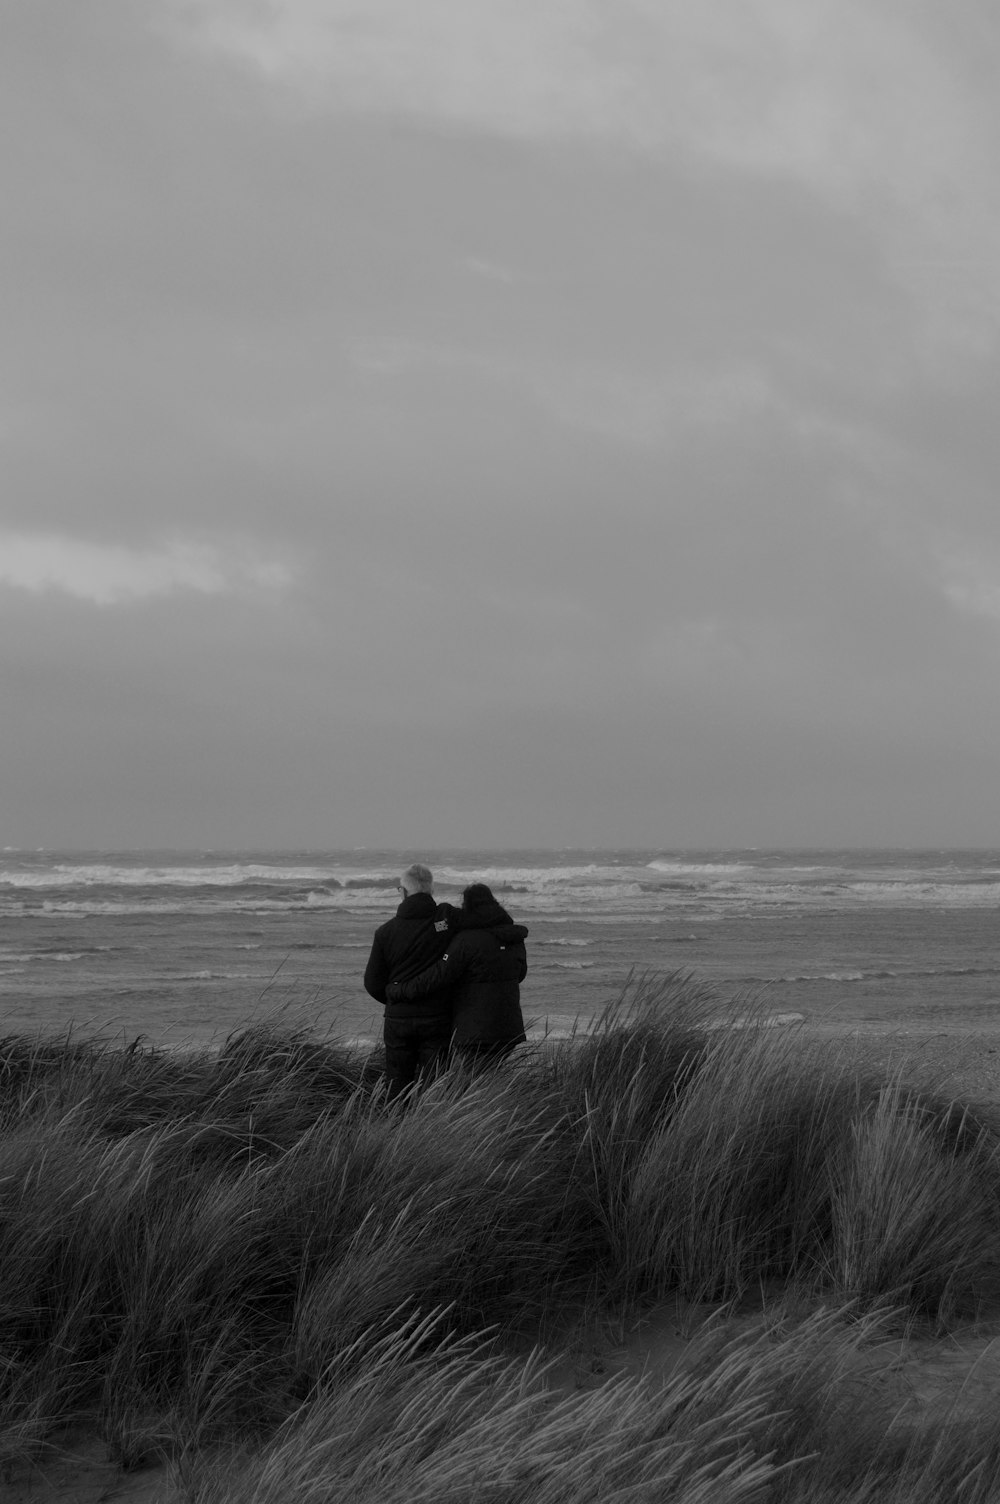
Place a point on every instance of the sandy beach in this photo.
(961, 1059)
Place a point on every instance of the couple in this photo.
(449, 978)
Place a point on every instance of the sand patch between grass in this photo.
(79, 1471)
(926, 1376)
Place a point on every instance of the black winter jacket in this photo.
(482, 970)
(407, 945)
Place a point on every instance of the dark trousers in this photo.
(416, 1047)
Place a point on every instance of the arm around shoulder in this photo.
(440, 977)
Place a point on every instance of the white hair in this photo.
(417, 879)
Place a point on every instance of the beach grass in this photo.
(251, 1265)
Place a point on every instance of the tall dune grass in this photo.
(782, 1412)
(780, 1163)
(254, 1249)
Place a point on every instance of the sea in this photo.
(184, 948)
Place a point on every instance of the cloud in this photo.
(109, 574)
(508, 65)
(876, 109)
(646, 408)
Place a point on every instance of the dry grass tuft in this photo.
(255, 1252)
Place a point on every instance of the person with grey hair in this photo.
(417, 1034)
(481, 972)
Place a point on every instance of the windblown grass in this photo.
(783, 1412)
(255, 1250)
(779, 1164)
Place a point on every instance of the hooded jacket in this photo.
(481, 970)
(404, 947)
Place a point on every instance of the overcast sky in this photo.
(463, 422)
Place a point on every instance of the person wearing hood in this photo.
(417, 1033)
(481, 971)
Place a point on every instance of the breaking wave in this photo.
(623, 886)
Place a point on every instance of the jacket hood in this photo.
(509, 934)
(492, 916)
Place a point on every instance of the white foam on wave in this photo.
(111, 875)
(671, 868)
(535, 877)
(599, 891)
(82, 908)
(35, 956)
(822, 976)
(845, 895)
(969, 895)
(79, 908)
(569, 898)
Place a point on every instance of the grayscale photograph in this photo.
(499, 758)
